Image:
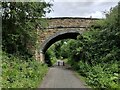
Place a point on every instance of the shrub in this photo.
(17, 73)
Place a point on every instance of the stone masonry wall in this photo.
(70, 22)
(62, 24)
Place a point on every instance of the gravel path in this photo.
(61, 77)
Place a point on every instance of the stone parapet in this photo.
(70, 22)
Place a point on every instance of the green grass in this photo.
(21, 73)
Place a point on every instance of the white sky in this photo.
(80, 8)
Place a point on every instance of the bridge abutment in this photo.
(42, 57)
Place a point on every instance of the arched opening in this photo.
(71, 34)
(60, 51)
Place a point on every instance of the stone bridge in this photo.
(61, 28)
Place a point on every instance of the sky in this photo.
(80, 8)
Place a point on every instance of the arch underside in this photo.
(59, 36)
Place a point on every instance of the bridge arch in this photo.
(68, 34)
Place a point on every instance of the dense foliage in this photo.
(50, 56)
(20, 21)
(96, 53)
(21, 73)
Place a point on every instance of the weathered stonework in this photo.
(70, 22)
(56, 25)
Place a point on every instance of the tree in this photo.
(19, 23)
